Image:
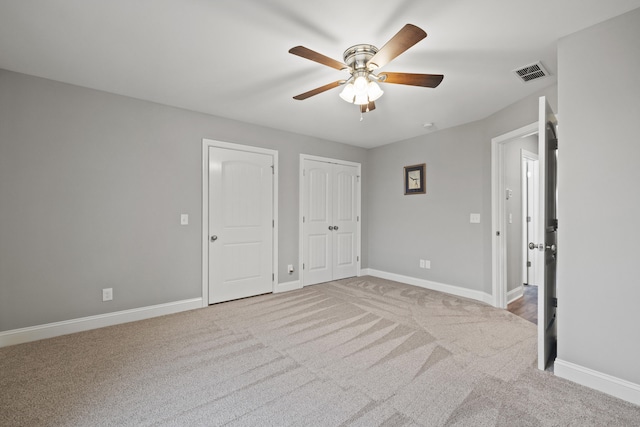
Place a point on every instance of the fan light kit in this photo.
(361, 60)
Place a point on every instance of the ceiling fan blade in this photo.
(365, 108)
(424, 80)
(318, 90)
(403, 40)
(317, 57)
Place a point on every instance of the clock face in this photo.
(414, 180)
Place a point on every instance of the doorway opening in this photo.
(544, 246)
(510, 211)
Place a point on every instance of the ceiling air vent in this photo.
(531, 72)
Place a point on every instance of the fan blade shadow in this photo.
(400, 11)
(289, 17)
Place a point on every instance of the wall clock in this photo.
(415, 179)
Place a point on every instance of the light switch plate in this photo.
(474, 218)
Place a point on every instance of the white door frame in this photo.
(529, 158)
(498, 217)
(206, 143)
(304, 157)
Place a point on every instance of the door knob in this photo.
(330, 228)
(552, 248)
(533, 246)
(335, 228)
(214, 238)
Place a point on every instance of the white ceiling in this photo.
(230, 58)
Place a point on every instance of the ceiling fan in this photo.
(362, 60)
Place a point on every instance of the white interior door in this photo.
(345, 221)
(545, 244)
(240, 224)
(329, 221)
(317, 218)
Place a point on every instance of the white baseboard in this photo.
(288, 286)
(514, 294)
(434, 286)
(365, 272)
(50, 330)
(608, 384)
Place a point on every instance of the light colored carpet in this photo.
(355, 352)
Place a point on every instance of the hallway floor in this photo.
(526, 306)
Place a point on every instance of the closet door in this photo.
(317, 222)
(330, 221)
(345, 221)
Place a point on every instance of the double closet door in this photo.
(330, 217)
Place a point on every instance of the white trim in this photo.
(288, 286)
(498, 220)
(605, 383)
(50, 330)
(365, 272)
(206, 143)
(514, 294)
(526, 158)
(434, 286)
(328, 160)
(304, 157)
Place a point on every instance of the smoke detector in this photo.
(531, 72)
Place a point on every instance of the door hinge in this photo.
(554, 224)
(273, 170)
(528, 219)
(273, 277)
(358, 177)
(357, 219)
(357, 258)
(303, 266)
(273, 223)
(528, 263)
(553, 143)
(554, 302)
(303, 219)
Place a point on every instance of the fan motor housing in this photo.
(357, 56)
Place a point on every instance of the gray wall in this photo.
(91, 189)
(513, 206)
(599, 202)
(404, 229)
(92, 185)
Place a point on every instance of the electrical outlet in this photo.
(290, 268)
(474, 218)
(421, 263)
(184, 219)
(107, 294)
